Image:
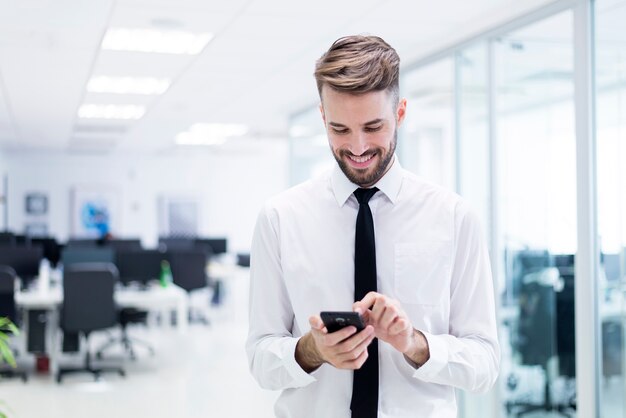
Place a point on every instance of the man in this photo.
(407, 255)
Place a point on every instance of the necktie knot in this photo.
(363, 196)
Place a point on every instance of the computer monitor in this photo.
(23, 240)
(139, 266)
(82, 242)
(51, 249)
(76, 255)
(216, 245)
(7, 238)
(124, 244)
(176, 243)
(24, 260)
(243, 259)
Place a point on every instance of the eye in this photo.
(373, 128)
(340, 131)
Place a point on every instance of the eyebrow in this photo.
(371, 122)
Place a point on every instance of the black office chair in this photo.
(79, 255)
(135, 266)
(189, 273)
(8, 309)
(127, 316)
(88, 305)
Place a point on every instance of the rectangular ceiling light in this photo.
(157, 41)
(128, 85)
(210, 133)
(99, 111)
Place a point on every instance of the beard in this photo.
(370, 175)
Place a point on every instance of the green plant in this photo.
(3, 407)
(6, 354)
(7, 327)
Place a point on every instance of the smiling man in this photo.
(408, 256)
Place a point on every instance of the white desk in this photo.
(157, 298)
(154, 298)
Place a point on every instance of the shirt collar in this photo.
(389, 184)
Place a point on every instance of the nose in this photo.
(359, 144)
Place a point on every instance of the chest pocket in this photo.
(422, 271)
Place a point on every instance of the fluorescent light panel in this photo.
(157, 41)
(210, 133)
(128, 85)
(99, 111)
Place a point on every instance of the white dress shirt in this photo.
(431, 256)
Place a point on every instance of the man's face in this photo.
(362, 132)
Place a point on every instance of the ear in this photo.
(401, 111)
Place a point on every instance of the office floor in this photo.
(201, 374)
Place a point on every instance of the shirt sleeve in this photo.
(271, 345)
(468, 357)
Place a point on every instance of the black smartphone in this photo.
(334, 321)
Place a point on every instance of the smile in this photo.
(361, 160)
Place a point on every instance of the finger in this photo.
(367, 302)
(358, 349)
(316, 322)
(336, 337)
(399, 325)
(351, 343)
(390, 314)
(355, 354)
(357, 362)
(378, 309)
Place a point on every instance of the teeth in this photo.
(361, 159)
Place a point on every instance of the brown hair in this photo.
(359, 64)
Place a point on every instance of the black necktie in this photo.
(364, 402)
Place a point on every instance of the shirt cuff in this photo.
(300, 377)
(438, 350)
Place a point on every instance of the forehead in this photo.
(345, 108)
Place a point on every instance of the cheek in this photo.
(338, 142)
(383, 140)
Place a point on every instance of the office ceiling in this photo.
(256, 70)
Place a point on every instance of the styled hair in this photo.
(359, 64)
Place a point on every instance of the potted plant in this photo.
(6, 355)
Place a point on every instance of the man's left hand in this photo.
(392, 325)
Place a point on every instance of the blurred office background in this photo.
(167, 124)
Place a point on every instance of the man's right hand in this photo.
(343, 349)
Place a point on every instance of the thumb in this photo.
(316, 322)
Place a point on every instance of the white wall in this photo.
(231, 186)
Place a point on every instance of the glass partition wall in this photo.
(536, 169)
(610, 81)
(426, 146)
